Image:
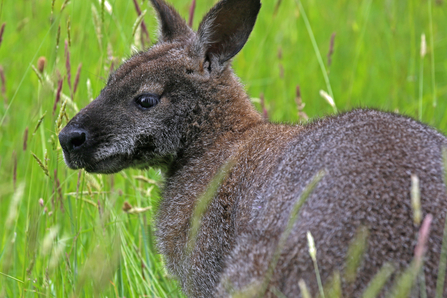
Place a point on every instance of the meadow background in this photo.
(64, 233)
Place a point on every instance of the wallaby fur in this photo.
(179, 106)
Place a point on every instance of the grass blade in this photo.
(315, 46)
(285, 234)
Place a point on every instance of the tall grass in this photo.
(64, 233)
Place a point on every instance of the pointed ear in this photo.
(225, 29)
(172, 25)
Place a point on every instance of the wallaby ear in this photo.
(172, 25)
(225, 29)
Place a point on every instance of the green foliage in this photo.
(64, 233)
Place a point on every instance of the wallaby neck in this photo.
(220, 126)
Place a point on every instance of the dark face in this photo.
(137, 119)
(154, 103)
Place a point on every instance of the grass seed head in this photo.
(311, 244)
(331, 49)
(406, 281)
(41, 164)
(59, 190)
(58, 35)
(192, 8)
(61, 116)
(41, 62)
(2, 30)
(39, 122)
(106, 5)
(52, 11)
(3, 81)
(25, 139)
(92, 182)
(145, 179)
(277, 5)
(135, 210)
(421, 246)
(264, 110)
(68, 31)
(89, 90)
(58, 94)
(102, 2)
(416, 200)
(300, 105)
(64, 5)
(67, 64)
(329, 99)
(76, 82)
(423, 46)
(14, 171)
(126, 206)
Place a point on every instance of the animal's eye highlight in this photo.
(147, 100)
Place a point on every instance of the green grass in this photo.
(80, 242)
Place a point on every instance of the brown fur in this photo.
(199, 117)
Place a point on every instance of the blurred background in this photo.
(66, 233)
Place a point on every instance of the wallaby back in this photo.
(180, 107)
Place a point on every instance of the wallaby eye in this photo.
(147, 100)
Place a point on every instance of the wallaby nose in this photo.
(72, 138)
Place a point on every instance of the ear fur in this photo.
(225, 29)
(172, 25)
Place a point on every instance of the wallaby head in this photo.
(161, 101)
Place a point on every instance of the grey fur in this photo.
(204, 118)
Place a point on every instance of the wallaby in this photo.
(180, 107)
